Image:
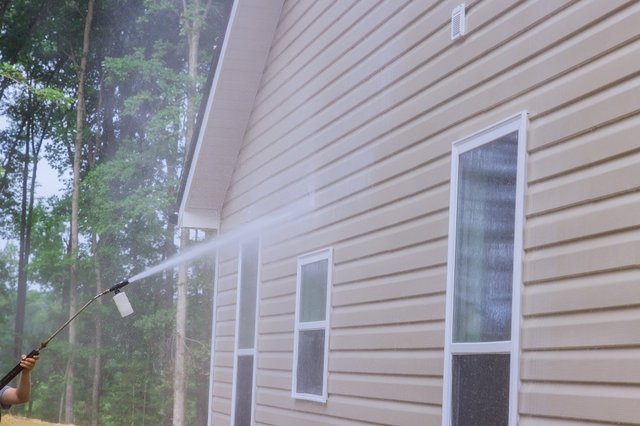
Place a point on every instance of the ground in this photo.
(9, 420)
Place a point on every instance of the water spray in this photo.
(124, 307)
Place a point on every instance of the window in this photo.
(484, 277)
(311, 339)
(246, 319)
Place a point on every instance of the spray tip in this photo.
(122, 302)
(116, 288)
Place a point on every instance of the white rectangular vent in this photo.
(457, 22)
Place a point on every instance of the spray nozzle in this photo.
(116, 288)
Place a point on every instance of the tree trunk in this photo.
(179, 374)
(97, 360)
(198, 14)
(22, 259)
(73, 291)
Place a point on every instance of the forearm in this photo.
(23, 390)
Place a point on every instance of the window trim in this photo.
(324, 254)
(517, 123)
(238, 352)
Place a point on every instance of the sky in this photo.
(48, 182)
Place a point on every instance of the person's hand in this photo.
(29, 363)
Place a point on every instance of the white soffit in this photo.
(250, 32)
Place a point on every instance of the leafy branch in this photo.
(51, 94)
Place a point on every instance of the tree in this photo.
(141, 86)
(75, 198)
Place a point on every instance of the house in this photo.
(450, 199)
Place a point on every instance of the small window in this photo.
(484, 277)
(246, 319)
(311, 341)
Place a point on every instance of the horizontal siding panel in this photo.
(266, 415)
(613, 366)
(394, 238)
(588, 330)
(420, 390)
(539, 421)
(367, 410)
(362, 219)
(610, 105)
(275, 361)
(276, 286)
(225, 344)
(295, 82)
(369, 184)
(370, 85)
(584, 257)
(224, 375)
(356, 73)
(291, 13)
(224, 359)
(227, 298)
(418, 283)
(449, 62)
(226, 312)
(317, 31)
(424, 256)
(412, 336)
(602, 291)
(597, 182)
(284, 271)
(221, 405)
(277, 306)
(282, 342)
(414, 362)
(280, 168)
(428, 308)
(601, 144)
(588, 403)
(227, 282)
(219, 418)
(622, 212)
(224, 329)
(280, 380)
(276, 324)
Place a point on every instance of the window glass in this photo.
(310, 361)
(248, 291)
(244, 389)
(313, 296)
(480, 390)
(484, 241)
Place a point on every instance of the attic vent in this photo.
(457, 22)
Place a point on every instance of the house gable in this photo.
(243, 56)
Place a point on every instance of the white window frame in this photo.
(517, 123)
(253, 351)
(212, 356)
(325, 254)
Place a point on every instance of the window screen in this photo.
(312, 326)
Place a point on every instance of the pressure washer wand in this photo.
(18, 368)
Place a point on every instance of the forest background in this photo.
(106, 92)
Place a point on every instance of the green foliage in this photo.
(47, 93)
(137, 86)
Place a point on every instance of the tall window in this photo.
(484, 277)
(311, 341)
(246, 318)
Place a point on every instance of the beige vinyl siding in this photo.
(226, 282)
(359, 105)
